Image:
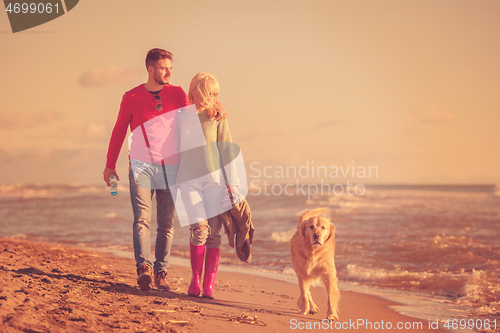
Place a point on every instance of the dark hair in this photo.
(156, 54)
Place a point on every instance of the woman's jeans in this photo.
(201, 200)
(146, 179)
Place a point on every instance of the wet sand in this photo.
(55, 288)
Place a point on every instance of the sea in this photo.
(434, 249)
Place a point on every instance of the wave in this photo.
(40, 191)
(115, 217)
(282, 237)
(478, 289)
(481, 290)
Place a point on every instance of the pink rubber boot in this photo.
(196, 253)
(211, 268)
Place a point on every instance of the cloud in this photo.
(263, 131)
(110, 76)
(56, 166)
(23, 119)
(418, 121)
(430, 116)
(272, 130)
(413, 131)
(96, 131)
(332, 122)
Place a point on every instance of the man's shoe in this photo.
(145, 279)
(161, 281)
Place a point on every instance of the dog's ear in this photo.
(332, 232)
(303, 228)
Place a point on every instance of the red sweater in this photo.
(137, 107)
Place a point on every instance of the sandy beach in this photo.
(54, 288)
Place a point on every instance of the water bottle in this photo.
(113, 185)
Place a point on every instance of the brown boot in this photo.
(161, 281)
(145, 279)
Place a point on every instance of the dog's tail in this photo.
(310, 213)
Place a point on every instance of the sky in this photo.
(408, 87)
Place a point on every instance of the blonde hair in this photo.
(203, 92)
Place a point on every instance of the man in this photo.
(152, 169)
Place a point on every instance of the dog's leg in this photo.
(313, 307)
(303, 302)
(333, 295)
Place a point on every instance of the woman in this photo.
(204, 143)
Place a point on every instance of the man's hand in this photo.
(221, 112)
(107, 173)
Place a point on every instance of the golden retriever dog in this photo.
(312, 254)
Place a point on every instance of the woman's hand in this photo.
(221, 112)
(233, 189)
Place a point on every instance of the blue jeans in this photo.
(146, 179)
